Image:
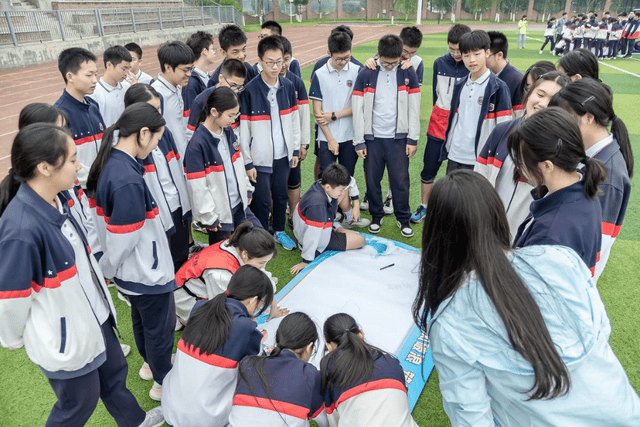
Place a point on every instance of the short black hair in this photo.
(269, 43)
(286, 45)
(198, 41)
(231, 35)
(499, 43)
(173, 54)
(552, 18)
(339, 42)
(475, 40)
(273, 26)
(70, 60)
(607, 13)
(411, 36)
(335, 175)
(564, 13)
(390, 46)
(343, 29)
(457, 31)
(233, 68)
(116, 54)
(524, 16)
(134, 47)
(623, 14)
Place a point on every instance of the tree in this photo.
(407, 7)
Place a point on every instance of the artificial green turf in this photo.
(26, 398)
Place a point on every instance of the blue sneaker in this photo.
(284, 239)
(419, 215)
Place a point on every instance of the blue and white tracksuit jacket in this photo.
(313, 221)
(85, 121)
(191, 90)
(293, 397)
(255, 123)
(513, 77)
(198, 390)
(631, 30)
(303, 108)
(43, 306)
(408, 108)
(496, 109)
(79, 207)
(131, 232)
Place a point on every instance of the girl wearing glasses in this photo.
(216, 177)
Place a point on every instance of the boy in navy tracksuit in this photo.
(201, 43)
(233, 45)
(497, 62)
(386, 120)
(80, 74)
(614, 38)
(630, 33)
(270, 137)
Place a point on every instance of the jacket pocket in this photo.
(155, 255)
(63, 334)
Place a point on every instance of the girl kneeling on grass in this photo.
(281, 389)
(363, 385)
(519, 337)
(219, 334)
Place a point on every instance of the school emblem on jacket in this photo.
(101, 128)
(480, 99)
(491, 107)
(349, 83)
(236, 145)
(406, 81)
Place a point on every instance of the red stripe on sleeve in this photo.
(610, 229)
(255, 118)
(369, 89)
(357, 93)
(415, 90)
(171, 155)
(387, 383)
(151, 168)
(303, 101)
(186, 113)
(209, 359)
(191, 127)
(196, 175)
(316, 224)
(288, 110)
(272, 405)
(481, 160)
(124, 229)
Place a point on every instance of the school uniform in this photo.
(269, 139)
(215, 77)
(566, 217)
(386, 118)
(198, 391)
(110, 100)
(293, 397)
(377, 401)
(78, 203)
(513, 78)
(579, 35)
(418, 64)
(142, 77)
(446, 72)
(615, 198)
(305, 125)
(294, 67)
(197, 83)
(549, 36)
(495, 164)
(567, 35)
(87, 126)
(614, 40)
(55, 303)
(137, 257)
(591, 28)
(173, 111)
(334, 89)
(560, 47)
(601, 39)
(631, 32)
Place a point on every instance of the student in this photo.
(495, 163)
(624, 20)
(55, 302)
(567, 34)
(214, 165)
(591, 32)
(631, 32)
(560, 27)
(386, 120)
(447, 70)
(272, 28)
(614, 38)
(281, 389)
(165, 179)
(137, 254)
(204, 53)
(578, 64)
(515, 334)
(207, 273)
(480, 98)
(176, 63)
(549, 35)
(546, 149)
(363, 385)
(579, 39)
(80, 75)
(233, 45)
(498, 63)
(601, 38)
(270, 137)
(533, 73)
(220, 333)
(331, 90)
(136, 61)
(522, 31)
(110, 90)
(314, 216)
(591, 102)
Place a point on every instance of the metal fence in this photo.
(38, 26)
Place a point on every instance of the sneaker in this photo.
(284, 239)
(388, 206)
(196, 226)
(339, 216)
(375, 225)
(290, 222)
(419, 214)
(126, 349)
(541, 52)
(145, 372)
(123, 297)
(154, 418)
(364, 204)
(196, 247)
(361, 223)
(156, 392)
(405, 229)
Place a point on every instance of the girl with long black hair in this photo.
(281, 389)
(363, 385)
(547, 150)
(519, 337)
(219, 334)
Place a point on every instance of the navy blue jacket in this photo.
(513, 77)
(191, 90)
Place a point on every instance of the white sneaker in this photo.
(154, 418)
(361, 223)
(388, 206)
(156, 392)
(123, 297)
(145, 372)
(126, 349)
(364, 204)
(540, 52)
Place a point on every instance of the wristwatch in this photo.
(333, 117)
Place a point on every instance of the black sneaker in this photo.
(375, 225)
(405, 229)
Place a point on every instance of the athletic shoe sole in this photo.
(379, 227)
(403, 232)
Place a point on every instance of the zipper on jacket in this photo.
(63, 334)
(155, 255)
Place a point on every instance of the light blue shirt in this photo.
(484, 382)
(385, 104)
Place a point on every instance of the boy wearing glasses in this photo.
(386, 122)
(270, 137)
(176, 63)
(111, 87)
(233, 45)
(201, 44)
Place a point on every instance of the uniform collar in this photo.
(481, 80)
(595, 148)
(333, 70)
(276, 86)
(78, 104)
(172, 88)
(42, 208)
(550, 201)
(106, 86)
(127, 158)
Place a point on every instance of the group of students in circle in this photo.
(531, 366)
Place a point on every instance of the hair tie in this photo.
(584, 161)
(227, 293)
(613, 118)
(11, 172)
(559, 147)
(278, 345)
